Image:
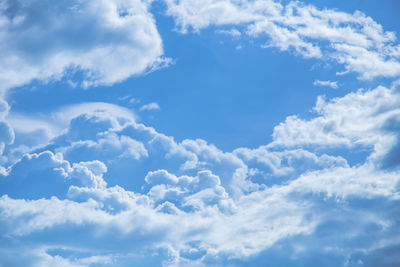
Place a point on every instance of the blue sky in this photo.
(199, 133)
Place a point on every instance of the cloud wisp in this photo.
(330, 84)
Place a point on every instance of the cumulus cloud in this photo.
(201, 204)
(361, 119)
(31, 131)
(108, 41)
(47, 174)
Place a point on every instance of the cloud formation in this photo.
(98, 188)
(354, 40)
(150, 106)
(107, 41)
(126, 187)
(333, 85)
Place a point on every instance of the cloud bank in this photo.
(127, 188)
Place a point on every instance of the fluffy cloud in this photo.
(104, 189)
(358, 118)
(94, 42)
(47, 174)
(205, 206)
(363, 119)
(108, 41)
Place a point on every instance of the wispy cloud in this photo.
(150, 106)
(198, 192)
(354, 40)
(232, 32)
(113, 45)
(333, 85)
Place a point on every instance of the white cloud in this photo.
(287, 163)
(67, 113)
(114, 187)
(36, 130)
(356, 119)
(364, 182)
(7, 133)
(330, 84)
(150, 106)
(354, 40)
(117, 39)
(202, 204)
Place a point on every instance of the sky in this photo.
(199, 133)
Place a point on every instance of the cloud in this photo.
(7, 135)
(47, 174)
(330, 84)
(125, 187)
(32, 131)
(108, 42)
(103, 189)
(357, 119)
(150, 106)
(354, 40)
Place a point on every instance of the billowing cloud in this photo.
(333, 85)
(364, 118)
(126, 187)
(108, 41)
